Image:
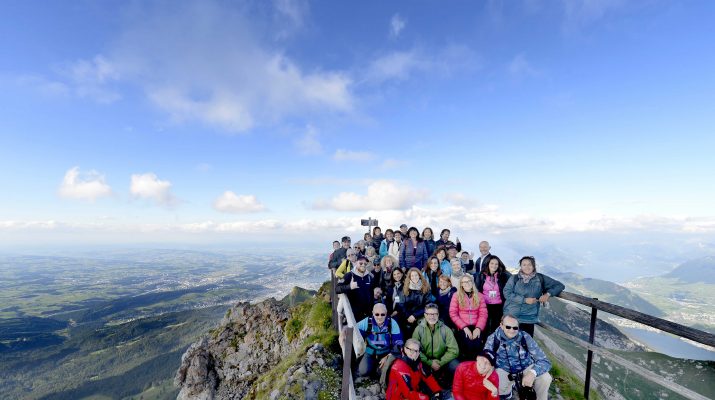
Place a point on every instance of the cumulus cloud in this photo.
(223, 73)
(149, 186)
(348, 155)
(229, 202)
(397, 24)
(309, 144)
(381, 195)
(90, 185)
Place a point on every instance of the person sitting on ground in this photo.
(407, 376)
(469, 314)
(432, 274)
(490, 283)
(340, 254)
(347, 264)
(413, 253)
(417, 295)
(358, 285)
(382, 336)
(386, 243)
(440, 347)
(520, 361)
(477, 380)
(525, 291)
(444, 240)
(444, 299)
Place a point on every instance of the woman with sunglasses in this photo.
(526, 291)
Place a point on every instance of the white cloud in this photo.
(309, 144)
(520, 67)
(401, 65)
(223, 72)
(149, 186)
(229, 202)
(397, 24)
(381, 195)
(348, 155)
(391, 163)
(84, 186)
(460, 199)
(90, 78)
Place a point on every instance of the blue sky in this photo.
(199, 121)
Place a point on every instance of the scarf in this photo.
(445, 291)
(525, 277)
(416, 286)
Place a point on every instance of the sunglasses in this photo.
(379, 314)
(513, 328)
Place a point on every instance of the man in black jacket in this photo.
(340, 254)
(358, 285)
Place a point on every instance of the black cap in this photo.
(489, 355)
(345, 239)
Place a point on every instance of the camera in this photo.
(525, 392)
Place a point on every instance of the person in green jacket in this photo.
(439, 347)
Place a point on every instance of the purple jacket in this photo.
(411, 256)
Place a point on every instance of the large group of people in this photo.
(435, 320)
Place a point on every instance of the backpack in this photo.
(385, 371)
(388, 321)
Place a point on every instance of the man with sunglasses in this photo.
(382, 336)
(406, 375)
(519, 359)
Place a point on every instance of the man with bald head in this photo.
(382, 336)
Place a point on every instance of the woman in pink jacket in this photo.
(469, 314)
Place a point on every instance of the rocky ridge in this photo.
(264, 350)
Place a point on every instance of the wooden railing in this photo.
(633, 315)
(353, 345)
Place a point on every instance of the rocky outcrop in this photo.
(268, 350)
(249, 341)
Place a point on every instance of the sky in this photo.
(234, 121)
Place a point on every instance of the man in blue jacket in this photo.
(519, 359)
(382, 336)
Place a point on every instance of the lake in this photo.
(668, 344)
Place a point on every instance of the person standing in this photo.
(526, 291)
(490, 283)
(484, 254)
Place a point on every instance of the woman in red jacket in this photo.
(477, 380)
(469, 314)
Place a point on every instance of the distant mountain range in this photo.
(694, 271)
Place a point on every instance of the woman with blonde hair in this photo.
(416, 295)
(468, 311)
